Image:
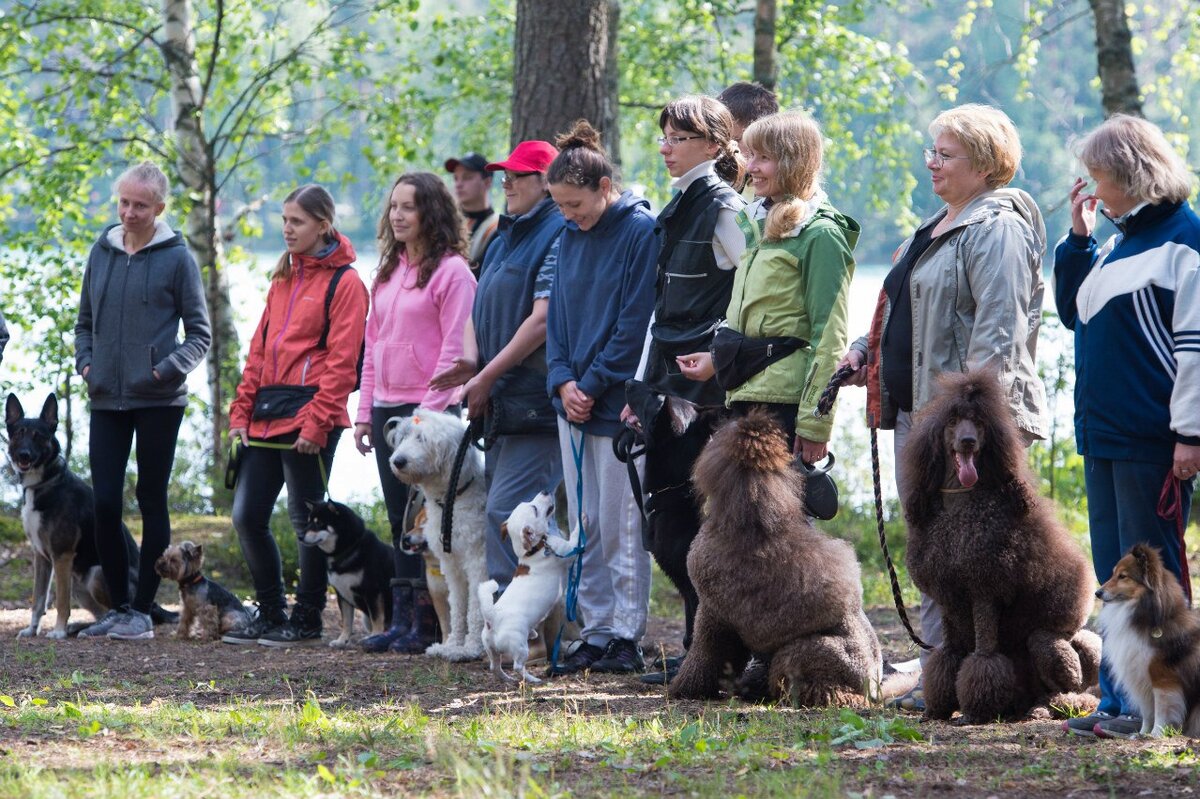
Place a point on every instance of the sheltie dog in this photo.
(1152, 643)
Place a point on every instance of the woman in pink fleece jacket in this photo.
(420, 302)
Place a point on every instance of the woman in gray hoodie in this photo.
(140, 283)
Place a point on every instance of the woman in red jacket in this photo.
(301, 368)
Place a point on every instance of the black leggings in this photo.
(110, 439)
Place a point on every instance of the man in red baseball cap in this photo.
(472, 187)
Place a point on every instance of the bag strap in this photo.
(323, 344)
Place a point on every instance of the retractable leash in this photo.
(574, 573)
(824, 406)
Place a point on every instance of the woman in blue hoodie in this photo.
(599, 307)
(140, 282)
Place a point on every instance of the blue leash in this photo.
(575, 573)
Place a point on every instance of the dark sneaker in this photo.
(621, 656)
(1123, 726)
(912, 700)
(1086, 725)
(303, 628)
(582, 658)
(132, 625)
(100, 628)
(266, 620)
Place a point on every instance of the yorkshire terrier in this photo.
(209, 610)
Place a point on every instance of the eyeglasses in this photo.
(512, 177)
(675, 141)
(934, 158)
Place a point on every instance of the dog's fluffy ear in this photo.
(683, 413)
(50, 410)
(13, 412)
(504, 531)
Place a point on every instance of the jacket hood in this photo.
(113, 237)
(543, 208)
(338, 254)
(817, 206)
(1015, 200)
(626, 204)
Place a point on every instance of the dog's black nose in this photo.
(1099, 593)
(399, 463)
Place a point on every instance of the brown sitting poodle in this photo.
(1013, 587)
(769, 583)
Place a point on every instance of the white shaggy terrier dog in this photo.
(536, 587)
(423, 449)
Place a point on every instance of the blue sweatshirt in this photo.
(1134, 304)
(599, 308)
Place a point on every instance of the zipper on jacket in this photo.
(304, 371)
(121, 335)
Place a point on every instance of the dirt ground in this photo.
(1032, 758)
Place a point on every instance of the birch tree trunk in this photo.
(565, 68)
(197, 170)
(1114, 59)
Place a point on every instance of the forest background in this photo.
(241, 102)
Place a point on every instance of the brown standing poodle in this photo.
(1014, 589)
(771, 584)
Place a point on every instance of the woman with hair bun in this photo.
(601, 301)
(794, 280)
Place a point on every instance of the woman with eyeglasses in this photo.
(504, 354)
(965, 292)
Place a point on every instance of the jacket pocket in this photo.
(398, 368)
(143, 383)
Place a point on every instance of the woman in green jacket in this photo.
(793, 280)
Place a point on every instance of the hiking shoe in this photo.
(1125, 725)
(102, 626)
(132, 625)
(621, 656)
(912, 701)
(1086, 725)
(266, 620)
(582, 658)
(304, 627)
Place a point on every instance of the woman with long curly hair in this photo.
(420, 302)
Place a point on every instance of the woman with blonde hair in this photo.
(964, 293)
(1134, 304)
(793, 281)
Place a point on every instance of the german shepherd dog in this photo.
(57, 512)
(360, 566)
(1152, 640)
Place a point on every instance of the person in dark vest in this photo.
(701, 247)
(504, 359)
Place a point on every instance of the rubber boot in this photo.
(425, 630)
(402, 613)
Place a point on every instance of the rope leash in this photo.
(824, 406)
(1170, 507)
(575, 572)
(475, 435)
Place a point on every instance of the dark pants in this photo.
(1123, 511)
(262, 475)
(395, 493)
(110, 439)
(785, 416)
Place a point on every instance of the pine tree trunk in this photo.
(197, 171)
(565, 68)
(1114, 57)
(764, 43)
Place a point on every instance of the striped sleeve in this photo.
(1185, 396)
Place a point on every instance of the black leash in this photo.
(475, 435)
(824, 405)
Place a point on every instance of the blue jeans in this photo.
(263, 473)
(518, 467)
(1123, 511)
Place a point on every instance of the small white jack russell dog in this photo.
(537, 585)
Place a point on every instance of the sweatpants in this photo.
(262, 475)
(1123, 511)
(517, 468)
(614, 591)
(109, 441)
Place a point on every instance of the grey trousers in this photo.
(614, 594)
(517, 468)
(931, 614)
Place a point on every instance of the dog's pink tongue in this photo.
(966, 470)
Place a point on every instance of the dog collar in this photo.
(956, 490)
(461, 490)
(61, 462)
(540, 546)
(193, 580)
